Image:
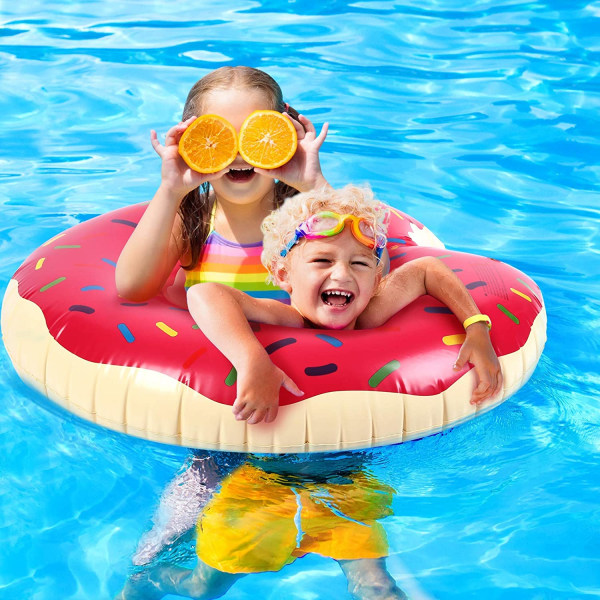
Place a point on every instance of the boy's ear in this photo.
(282, 279)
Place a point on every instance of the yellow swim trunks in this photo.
(259, 521)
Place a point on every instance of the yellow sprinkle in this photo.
(166, 329)
(518, 293)
(454, 340)
(53, 239)
(39, 263)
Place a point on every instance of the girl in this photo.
(195, 218)
(210, 224)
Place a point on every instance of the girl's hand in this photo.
(175, 173)
(478, 350)
(303, 171)
(258, 392)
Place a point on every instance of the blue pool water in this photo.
(480, 119)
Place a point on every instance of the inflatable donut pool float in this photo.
(147, 370)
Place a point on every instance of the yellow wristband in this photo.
(477, 319)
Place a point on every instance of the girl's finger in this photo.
(307, 124)
(321, 137)
(158, 147)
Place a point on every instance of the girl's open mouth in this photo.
(337, 298)
(240, 175)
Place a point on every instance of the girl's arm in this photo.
(429, 275)
(155, 246)
(222, 313)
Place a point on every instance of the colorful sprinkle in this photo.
(444, 256)
(525, 284)
(53, 239)
(508, 313)
(397, 256)
(442, 310)
(134, 303)
(89, 288)
(72, 247)
(518, 293)
(52, 284)
(231, 378)
(192, 358)
(39, 263)
(383, 372)
(279, 344)
(321, 370)
(330, 340)
(166, 329)
(124, 222)
(396, 241)
(454, 340)
(129, 337)
(112, 263)
(88, 310)
(475, 284)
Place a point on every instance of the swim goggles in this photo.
(327, 224)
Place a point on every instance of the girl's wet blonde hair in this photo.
(279, 227)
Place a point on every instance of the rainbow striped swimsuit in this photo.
(236, 265)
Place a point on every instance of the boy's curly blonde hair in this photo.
(279, 227)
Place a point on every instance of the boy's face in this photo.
(331, 281)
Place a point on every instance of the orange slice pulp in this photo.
(267, 139)
(209, 144)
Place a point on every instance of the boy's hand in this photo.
(478, 350)
(258, 392)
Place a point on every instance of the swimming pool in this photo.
(480, 122)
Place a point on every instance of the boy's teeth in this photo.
(337, 297)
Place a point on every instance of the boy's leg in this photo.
(201, 583)
(369, 579)
(179, 507)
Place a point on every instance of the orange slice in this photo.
(209, 144)
(267, 139)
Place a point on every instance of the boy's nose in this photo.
(340, 272)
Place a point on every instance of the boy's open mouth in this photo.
(337, 297)
(240, 174)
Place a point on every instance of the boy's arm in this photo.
(222, 313)
(431, 276)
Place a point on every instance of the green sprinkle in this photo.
(508, 313)
(52, 284)
(444, 256)
(67, 247)
(382, 373)
(231, 378)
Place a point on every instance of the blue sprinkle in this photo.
(88, 310)
(397, 256)
(110, 262)
(124, 222)
(330, 340)
(475, 284)
(126, 333)
(279, 344)
(444, 310)
(396, 241)
(321, 370)
(89, 288)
